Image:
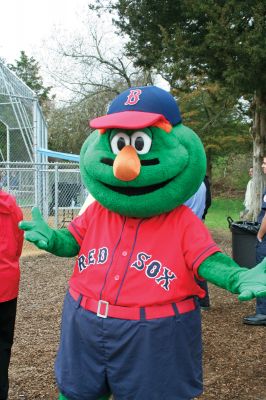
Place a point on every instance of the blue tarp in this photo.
(58, 154)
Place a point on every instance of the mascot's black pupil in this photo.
(121, 143)
(139, 143)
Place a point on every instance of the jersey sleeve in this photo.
(79, 226)
(197, 243)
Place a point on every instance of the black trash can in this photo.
(244, 236)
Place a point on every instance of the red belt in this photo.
(103, 309)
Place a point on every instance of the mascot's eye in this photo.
(119, 141)
(141, 141)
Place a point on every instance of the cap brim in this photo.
(127, 120)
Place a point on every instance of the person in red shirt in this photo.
(11, 241)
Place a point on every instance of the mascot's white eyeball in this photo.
(141, 141)
(119, 141)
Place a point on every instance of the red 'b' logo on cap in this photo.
(133, 97)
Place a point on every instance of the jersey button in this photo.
(117, 278)
(124, 253)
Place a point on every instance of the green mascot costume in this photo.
(131, 323)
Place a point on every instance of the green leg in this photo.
(62, 397)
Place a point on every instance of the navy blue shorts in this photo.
(158, 359)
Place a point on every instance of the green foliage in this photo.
(222, 208)
(224, 40)
(212, 112)
(28, 70)
(230, 174)
(68, 129)
(68, 126)
(229, 181)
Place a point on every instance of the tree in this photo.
(93, 64)
(93, 74)
(28, 70)
(223, 40)
(68, 125)
(212, 112)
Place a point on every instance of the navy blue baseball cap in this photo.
(139, 107)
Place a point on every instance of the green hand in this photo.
(226, 273)
(252, 283)
(37, 231)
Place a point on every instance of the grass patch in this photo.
(220, 210)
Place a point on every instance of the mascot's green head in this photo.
(141, 161)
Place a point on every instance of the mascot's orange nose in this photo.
(127, 164)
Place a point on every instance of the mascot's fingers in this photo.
(264, 266)
(26, 225)
(42, 244)
(36, 214)
(261, 293)
(246, 295)
(261, 266)
(35, 237)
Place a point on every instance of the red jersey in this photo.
(11, 241)
(139, 262)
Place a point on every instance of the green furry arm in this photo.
(225, 273)
(64, 244)
(222, 271)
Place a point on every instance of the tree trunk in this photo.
(259, 151)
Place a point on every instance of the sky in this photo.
(27, 24)
(33, 25)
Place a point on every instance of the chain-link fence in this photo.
(56, 188)
(23, 128)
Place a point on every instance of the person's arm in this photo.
(197, 202)
(262, 230)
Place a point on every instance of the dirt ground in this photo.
(234, 354)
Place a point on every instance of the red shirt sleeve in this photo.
(197, 242)
(79, 226)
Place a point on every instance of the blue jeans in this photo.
(260, 254)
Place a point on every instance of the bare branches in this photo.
(95, 63)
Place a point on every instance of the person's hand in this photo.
(259, 237)
(261, 234)
(252, 283)
(38, 231)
